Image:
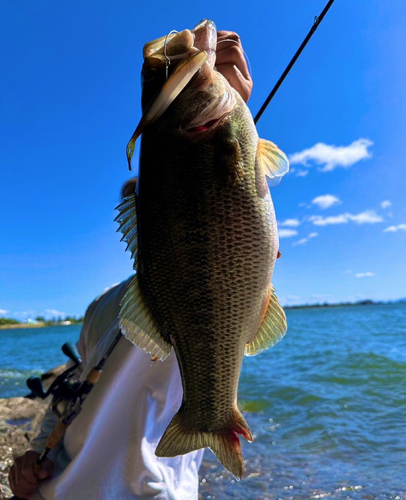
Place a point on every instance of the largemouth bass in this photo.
(202, 230)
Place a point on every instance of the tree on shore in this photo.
(8, 321)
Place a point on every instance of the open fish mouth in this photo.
(187, 54)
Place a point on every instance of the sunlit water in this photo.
(327, 405)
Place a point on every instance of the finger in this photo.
(27, 469)
(46, 469)
(233, 54)
(223, 34)
(19, 486)
(22, 484)
(228, 39)
(236, 80)
(19, 491)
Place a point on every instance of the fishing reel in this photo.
(64, 388)
(69, 392)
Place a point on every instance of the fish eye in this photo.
(148, 74)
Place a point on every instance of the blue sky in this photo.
(70, 100)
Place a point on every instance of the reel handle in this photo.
(34, 383)
(70, 350)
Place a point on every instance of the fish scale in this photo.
(207, 243)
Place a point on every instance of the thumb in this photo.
(46, 469)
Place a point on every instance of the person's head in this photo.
(128, 187)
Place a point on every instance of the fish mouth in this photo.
(189, 51)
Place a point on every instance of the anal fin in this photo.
(272, 329)
(138, 325)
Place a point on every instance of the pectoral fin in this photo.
(272, 329)
(273, 161)
(138, 325)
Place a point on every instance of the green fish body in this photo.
(203, 232)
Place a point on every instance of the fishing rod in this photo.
(65, 390)
(316, 24)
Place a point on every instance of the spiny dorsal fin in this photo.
(127, 219)
(274, 162)
(138, 325)
(272, 328)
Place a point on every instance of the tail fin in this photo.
(225, 443)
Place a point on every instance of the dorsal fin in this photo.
(273, 161)
(127, 219)
(272, 329)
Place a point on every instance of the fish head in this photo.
(182, 92)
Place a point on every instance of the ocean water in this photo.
(327, 405)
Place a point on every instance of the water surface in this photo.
(327, 405)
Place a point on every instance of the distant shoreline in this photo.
(347, 304)
(17, 326)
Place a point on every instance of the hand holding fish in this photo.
(231, 63)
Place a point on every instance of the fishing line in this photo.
(168, 61)
(316, 23)
(245, 54)
(293, 41)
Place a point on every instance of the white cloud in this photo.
(318, 220)
(289, 223)
(302, 173)
(23, 315)
(287, 233)
(386, 204)
(3, 311)
(326, 201)
(48, 314)
(331, 156)
(365, 275)
(52, 313)
(305, 240)
(349, 271)
(395, 229)
(289, 300)
(366, 217)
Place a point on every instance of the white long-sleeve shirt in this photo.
(108, 451)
